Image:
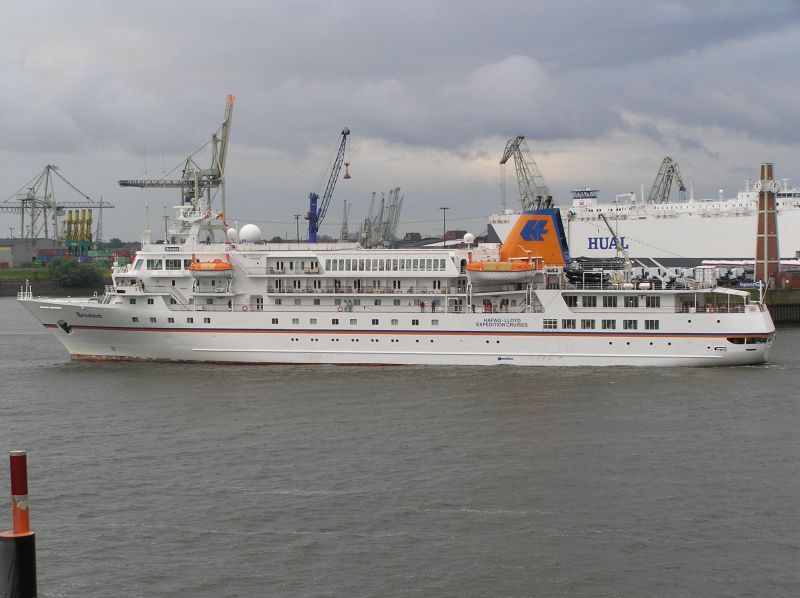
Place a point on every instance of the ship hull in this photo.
(90, 331)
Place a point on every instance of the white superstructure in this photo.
(672, 232)
(207, 295)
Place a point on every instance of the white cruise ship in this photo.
(681, 232)
(214, 294)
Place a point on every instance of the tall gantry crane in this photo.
(668, 172)
(196, 182)
(316, 212)
(39, 210)
(533, 191)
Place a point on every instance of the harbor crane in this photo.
(533, 191)
(668, 172)
(317, 209)
(197, 182)
(36, 202)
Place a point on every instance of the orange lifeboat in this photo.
(506, 271)
(214, 268)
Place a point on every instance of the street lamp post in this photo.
(444, 224)
(297, 223)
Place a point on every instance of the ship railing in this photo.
(713, 308)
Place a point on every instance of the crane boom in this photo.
(533, 191)
(669, 170)
(316, 214)
(197, 182)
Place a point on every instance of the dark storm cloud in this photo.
(440, 74)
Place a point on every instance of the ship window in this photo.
(609, 300)
(328, 265)
(587, 324)
(154, 264)
(356, 301)
(186, 264)
(651, 324)
(337, 301)
(653, 301)
(374, 321)
(589, 300)
(631, 301)
(291, 265)
(209, 301)
(395, 322)
(132, 301)
(435, 264)
(629, 325)
(206, 320)
(394, 265)
(312, 321)
(434, 322)
(150, 301)
(170, 320)
(368, 265)
(173, 264)
(415, 265)
(347, 264)
(415, 322)
(137, 265)
(298, 301)
(316, 301)
(402, 265)
(274, 320)
(134, 319)
(341, 264)
(382, 265)
(190, 320)
(442, 264)
(429, 265)
(278, 301)
(571, 300)
(396, 301)
(609, 324)
(377, 301)
(550, 324)
(152, 320)
(360, 265)
(295, 320)
(568, 324)
(353, 321)
(335, 321)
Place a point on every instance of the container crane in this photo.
(661, 186)
(316, 211)
(533, 191)
(36, 200)
(196, 181)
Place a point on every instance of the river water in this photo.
(191, 480)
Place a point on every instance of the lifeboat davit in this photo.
(510, 271)
(216, 268)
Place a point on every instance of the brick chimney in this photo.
(767, 255)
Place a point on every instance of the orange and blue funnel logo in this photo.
(538, 233)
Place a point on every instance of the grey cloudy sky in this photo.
(430, 89)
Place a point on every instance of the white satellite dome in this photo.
(250, 233)
(231, 234)
(469, 238)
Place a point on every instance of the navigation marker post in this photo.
(18, 546)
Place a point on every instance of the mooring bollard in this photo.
(18, 547)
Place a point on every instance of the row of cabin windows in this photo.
(163, 264)
(612, 300)
(385, 265)
(296, 321)
(281, 265)
(588, 324)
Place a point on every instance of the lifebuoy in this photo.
(244, 308)
(340, 308)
